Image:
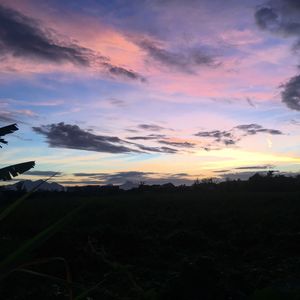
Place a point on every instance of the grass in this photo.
(156, 245)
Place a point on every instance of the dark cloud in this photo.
(117, 102)
(267, 18)
(177, 144)
(240, 175)
(24, 37)
(135, 177)
(159, 138)
(222, 171)
(229, 142)
(151, 127)
(184, 61)
(120, 71)
(250, 102)
(248, 127)
(168, 150)
(217, 134)
(234, 135)
(282, 17)
(157, 149)
(291, 93)
(132, 130)
(252, 129)
(89, 174)
(259, 167)
(43, 173)
(147, 137)
(63, 135)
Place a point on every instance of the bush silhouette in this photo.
(7, 173)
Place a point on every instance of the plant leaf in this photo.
(9, 172)
(6, 130)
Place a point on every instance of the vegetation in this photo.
(14, 170)
(199, 243)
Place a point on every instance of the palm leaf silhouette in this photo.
(9, 172)
(6, 130)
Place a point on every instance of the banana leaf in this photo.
(6, 130)
(9, 172)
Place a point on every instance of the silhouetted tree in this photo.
(9, 172)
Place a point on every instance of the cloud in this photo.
(259, 167)
(252, 129)
(217, 134)
(282, 17)
(7, 117)
(147, 137)
(24, 37)
(151, 127)
(116, 102)
(159, 138)
(120, 71)
(234, 135)
(222, 171)
(157, 149)
(63, 135)
(240, 175)
(15, 116)
(68, 136)
(267, 18)
(291, 93)
(135, 177)
(187, 60)
(43, 173)
(250, 102)
(177, 144)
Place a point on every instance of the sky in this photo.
(150, 90)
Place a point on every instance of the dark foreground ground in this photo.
(158, 245)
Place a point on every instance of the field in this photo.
(151, 245)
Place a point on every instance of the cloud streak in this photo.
(135, 177)
(177, 144)
(26, 38)
(63, 135)
(234, 135)
(69, 136)
(150, 127)
(43, 173)
(146, 137)
(186, 61)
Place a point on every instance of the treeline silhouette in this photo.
(268, 182)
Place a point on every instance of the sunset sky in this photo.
(150, 90)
